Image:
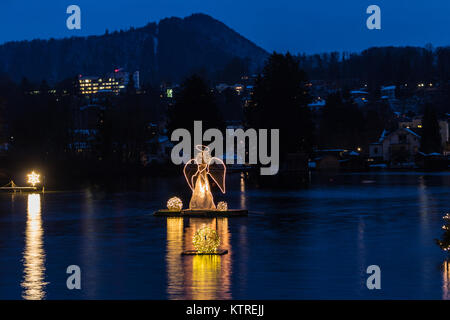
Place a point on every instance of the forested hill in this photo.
(164, 51)
(381, 65)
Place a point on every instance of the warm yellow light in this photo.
(222, 206)
(33, 178)
(198, 179)
(174, 204)
(33, 283)
(206, 240)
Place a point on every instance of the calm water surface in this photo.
(314, 243)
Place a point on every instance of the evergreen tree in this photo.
(342, 124)
(431, 136)
(234, 70)
(280, 99)
(25, 86)
(131, 86)
(195, 101)
(230, 105)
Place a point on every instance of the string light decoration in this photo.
(222, 206)
(203, 173)
(444, 243)
(174, 204)
(33, 178)
(197, 172)
(206, 240)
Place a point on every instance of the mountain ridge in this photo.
(168, 50)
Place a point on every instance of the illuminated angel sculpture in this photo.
(197, 172)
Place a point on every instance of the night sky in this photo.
(281, 25)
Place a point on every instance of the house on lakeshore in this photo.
(360, 97)
(397, 148)
(416, 125)
(388, 92)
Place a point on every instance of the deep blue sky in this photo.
(294, 25)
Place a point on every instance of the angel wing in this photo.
(217, 171)
(190, 171)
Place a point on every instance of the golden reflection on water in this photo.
(446, 280)
(173, 257)
(33, 283)
(206, 280)
(242, 189)
(197, 277)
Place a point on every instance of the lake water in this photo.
(313, 243)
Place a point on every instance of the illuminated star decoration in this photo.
(33, 178)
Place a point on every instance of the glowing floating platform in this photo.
(219, 252)
(201, 213)
(12, 187)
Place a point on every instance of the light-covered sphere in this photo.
(174, 204)
(206, 240)
(222, 206)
